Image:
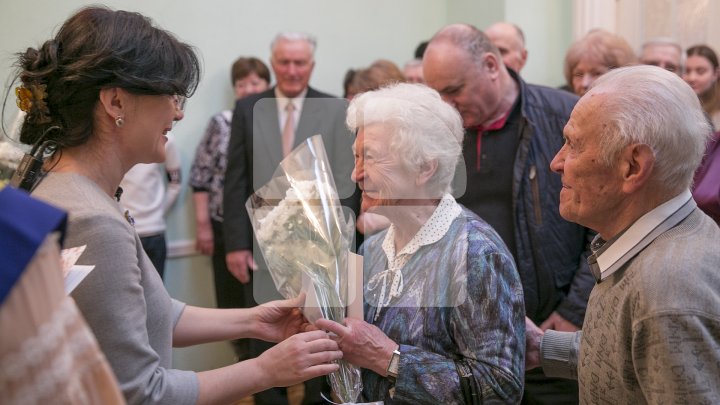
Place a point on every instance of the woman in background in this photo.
(207, 176)
(701, 73)
(103, 94)
(380, 73)
(594, 55)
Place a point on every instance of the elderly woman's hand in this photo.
(362, 344)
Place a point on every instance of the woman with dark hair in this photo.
(701, 73)
(101, 96)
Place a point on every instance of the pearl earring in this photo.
(119, 122)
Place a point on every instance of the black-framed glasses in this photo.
(179, 102)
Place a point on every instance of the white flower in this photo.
(306, 233)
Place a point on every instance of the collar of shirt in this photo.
(481, 130)
(610, 256)
(282, 103)
(432, 231)
(497, 124)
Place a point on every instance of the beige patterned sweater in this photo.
(652, 330)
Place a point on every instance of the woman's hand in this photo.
(204, 242)
(277, 320)
(299, 358)
(362, 344)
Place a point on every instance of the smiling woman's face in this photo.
(379, 172)
(147, 124)
(700, 74)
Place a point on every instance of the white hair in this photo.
(653, 106)
(292, 37)
(422, 126)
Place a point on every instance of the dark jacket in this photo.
(551, 252)
(255, 151)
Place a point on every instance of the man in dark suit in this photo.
(265, 127)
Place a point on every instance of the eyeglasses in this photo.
(179, 102)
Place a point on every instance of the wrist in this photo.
(392, 364)
(263, 378)
(249, 324)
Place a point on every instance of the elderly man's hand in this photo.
(362, 344)
(238, 262)
(556, 322)
(533, 338)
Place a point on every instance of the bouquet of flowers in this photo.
(302, 233)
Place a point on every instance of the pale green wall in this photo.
(349, 33)
(548, 34)
(546, 24)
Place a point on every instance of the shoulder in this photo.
(248, 103)
(84, 202)
(222, 118)
(548, 101)
(373, 242)
(679, 270)
(312, 93)
(482, 238)
(328, 105)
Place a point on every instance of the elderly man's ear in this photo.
(636, 165)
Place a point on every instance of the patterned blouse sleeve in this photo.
(207, 156)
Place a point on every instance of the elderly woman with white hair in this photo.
(444, 312)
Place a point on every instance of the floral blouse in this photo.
(208, 169)
(452, 293)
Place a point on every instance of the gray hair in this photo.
(423, 128)
(294, 36)
(662, 41)
(413, 63)
(653, 106)
(468, 38)
(518, 31)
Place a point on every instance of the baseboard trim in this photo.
(181, 248)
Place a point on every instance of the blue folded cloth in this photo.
(25, 222)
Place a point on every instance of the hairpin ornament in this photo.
(31, 98)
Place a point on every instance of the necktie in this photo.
(288, 134)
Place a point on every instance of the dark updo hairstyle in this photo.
(95, 49)
(244, 66)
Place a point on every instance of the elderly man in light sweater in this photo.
(652, 329)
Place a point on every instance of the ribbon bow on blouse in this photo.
(382, 278)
